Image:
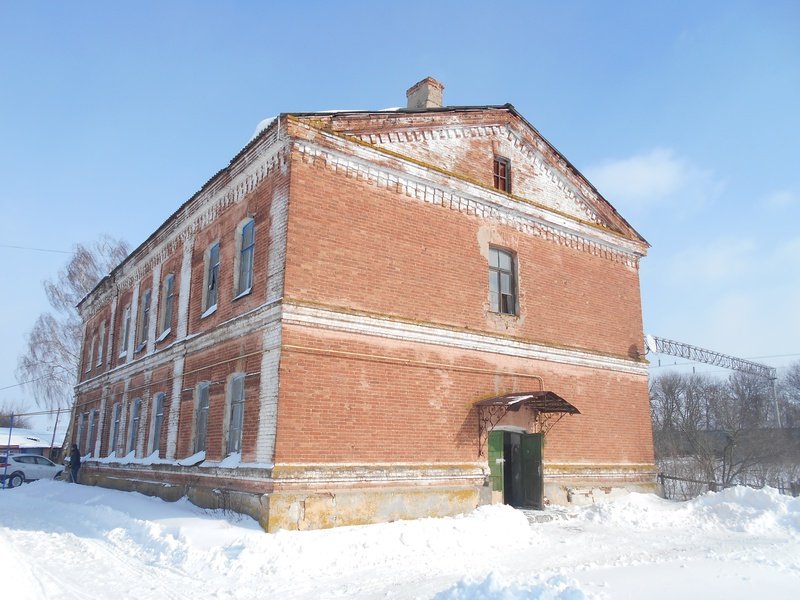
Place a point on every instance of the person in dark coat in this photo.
(74, 462)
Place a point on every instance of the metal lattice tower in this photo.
(673, 348)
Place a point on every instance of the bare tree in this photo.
(719, 431)
(7, 410)
(49, 366)
(790, 395)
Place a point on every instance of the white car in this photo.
(18, 468)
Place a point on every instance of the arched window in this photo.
(167, 302)
(211, 281)
(125, 331)
(102, 343)
(201, 416)
(245, 245)
(158, 422)
(114, 437)
(144, 320)
(92, 430)
(236, 399)
(136, 412)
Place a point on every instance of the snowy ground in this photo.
(59, 540)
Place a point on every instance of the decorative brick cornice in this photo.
(198, 214)
(533, 150)
(370, 325)
(254, 320)
(415, 181)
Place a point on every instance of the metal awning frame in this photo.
(548, 408)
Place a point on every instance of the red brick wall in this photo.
(124, 299)
(216, 365)
(355, 408)
(357, 246)
(94, 328)
(258, 206)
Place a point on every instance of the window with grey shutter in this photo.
(134, 428)
(201, 423)
(237, 414)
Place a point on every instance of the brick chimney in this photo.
(425, 94)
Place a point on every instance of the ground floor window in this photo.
(158, 421)
(201, 417)
(114, 437)
(237, 413)
(136, 410)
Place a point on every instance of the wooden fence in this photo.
(681, 488)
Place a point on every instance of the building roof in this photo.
(27, 438)
(272, 126)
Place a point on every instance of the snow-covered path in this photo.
(64, 541)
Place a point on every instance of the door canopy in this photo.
(548, 408)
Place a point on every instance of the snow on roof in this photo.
(262, 125)
(27, 438)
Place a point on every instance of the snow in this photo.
(232, 461)
(194, 459)
(60, 540)
(262, 125)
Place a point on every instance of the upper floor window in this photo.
(502, 174)
(201, 417)
(158, 422)
(502, 282)
(211, 286)
(246, 243)
(144, 320)
(167, 302)
(90, 356)
(102, 342)
(236, 392)
(125, 331)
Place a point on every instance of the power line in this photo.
(36, 249)
(777, 355)
(8, 387)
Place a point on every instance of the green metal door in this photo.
(496, 460)
(532, 473)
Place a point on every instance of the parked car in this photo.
(18, 468)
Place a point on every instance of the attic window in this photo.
(502, 174)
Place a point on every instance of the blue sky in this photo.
(683, 114)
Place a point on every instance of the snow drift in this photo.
(67, 541)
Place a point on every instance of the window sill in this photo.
(504, 315)
(209, 311)
(244, 293)
(123, 354)
(140, 347)
(164, 334)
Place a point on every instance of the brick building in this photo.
(369, 316)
